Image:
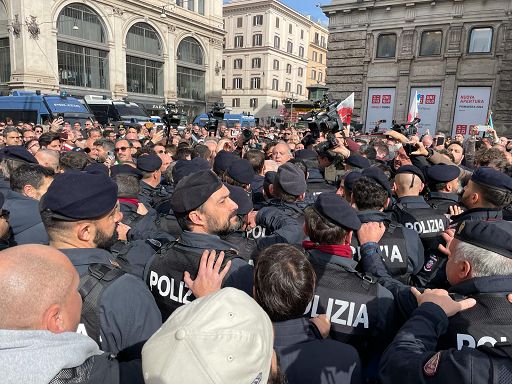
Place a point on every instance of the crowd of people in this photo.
(136, 254)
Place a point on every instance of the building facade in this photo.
(265, 56)
(150, 51)
(455, 56)
(317, 55)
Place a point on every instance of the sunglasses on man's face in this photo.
(38, 131)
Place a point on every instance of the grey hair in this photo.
(483, 262)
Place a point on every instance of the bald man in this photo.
(49, 159)
(40, 310)
(412, 211)
(281, 153)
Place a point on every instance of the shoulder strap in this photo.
(91, 288)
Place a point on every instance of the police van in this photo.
(107, 111)
(26, 106)
(229, 121)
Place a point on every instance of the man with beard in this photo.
(444, 187)
(80, 214)
(204, 210)
(486, 194)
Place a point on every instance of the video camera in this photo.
(325, 121)
(408, 129)
(173, 112)
(215, 115)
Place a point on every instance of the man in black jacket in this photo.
(44, 324)
(80, 213)
(204, 210)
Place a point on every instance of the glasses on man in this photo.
(161, 152)
(38, 131)
(122, 149)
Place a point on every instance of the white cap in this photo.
(222, 338)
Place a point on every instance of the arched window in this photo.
(190, 70)
(5, 60)
(82, 48)
(144, 60)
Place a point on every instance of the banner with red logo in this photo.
(380, 106)
(471, 109)
(428, 108)
(345, 109)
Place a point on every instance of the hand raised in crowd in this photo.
(443, 299)
(122, 231)
(420, 149)
(323, 324)
(157, 137)
(56, 124)
(448, 237)
(397, 136)
(455, 210)
(141, 209)
(371, 232)
(209, 276)
(251, 219)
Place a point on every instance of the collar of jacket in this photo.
(87, 256)
(372, 216)
(485, 284)
(484, 214)
(205, 241)
(327, 258)
(445, 196)
(293, 331)
(413, 202)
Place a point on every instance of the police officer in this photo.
(361, 311)
(347, 183)
(444, 187)
(152, 193)
(479, 266)
(238, 232)
(401, 247)
(356, 163)
(316, 183)
(412, 357)
(204, 210)
(288, 189)
(486, 194)
(412, 211)
(80, 214)
(240, 173)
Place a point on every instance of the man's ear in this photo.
(85, 231)
(196, 218)
(30, 191)
(52, 319)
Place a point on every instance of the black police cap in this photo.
(358, 161)
(184, 168)
(411, 169)
(149, 163)
(241, 198)
(270, 176)
(377, 175)
(337, 210)
(291, 179)
(222, 161)
(350, 179)
(125, 169)
(442, 173)
(75, 196)
(495, 236)
(305, 154)
(97, 168)
(194, 190)
(493, 178)
(17, 152)
(241, 170)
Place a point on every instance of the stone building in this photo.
(150, 51)
(266, 56)
(317, 55)
(456, 54)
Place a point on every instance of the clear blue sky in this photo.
(306, 7)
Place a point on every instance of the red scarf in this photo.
(338, 250)
(129, 201)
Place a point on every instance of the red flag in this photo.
(345, 109)
(413, 111)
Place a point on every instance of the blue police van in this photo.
(229, 121)
(25, 106)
